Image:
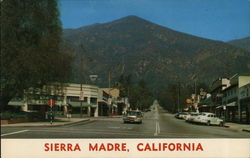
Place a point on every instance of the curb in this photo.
(68, 123)
(246, 130)
(47, 125)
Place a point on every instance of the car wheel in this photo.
(208, 123)
(221, 124)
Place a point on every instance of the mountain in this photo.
(159, 55)
(242, 43)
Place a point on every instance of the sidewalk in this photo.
(238, 127)
(57, 122)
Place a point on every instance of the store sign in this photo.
(81, 97)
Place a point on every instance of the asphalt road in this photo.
(156, 124)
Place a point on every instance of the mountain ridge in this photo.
(149, 51)
(243, 43)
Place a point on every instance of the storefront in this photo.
(245, 110)
(103, 108)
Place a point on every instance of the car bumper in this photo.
(132, 120)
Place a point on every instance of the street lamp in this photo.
(93, 78)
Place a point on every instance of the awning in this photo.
(218, 107)
(78, 104)
(232, 104)
(16, 103)
(102, 101)
(201, 106)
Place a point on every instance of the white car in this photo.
(209, 119)
(133, 116)
(192, 117)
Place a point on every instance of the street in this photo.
(156, 124)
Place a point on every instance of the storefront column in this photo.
(89, 107)
(239, 111)
(25, 107)
(96, 111)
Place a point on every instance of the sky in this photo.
(221, 20)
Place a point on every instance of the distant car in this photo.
(192, 117)
(133, 116)
(181, 115)
(209, 119)
(147, 110)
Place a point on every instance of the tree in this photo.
(140, 96)
(31, 47)
(173, 97)
(124, 85)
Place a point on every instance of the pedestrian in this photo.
(69, 111)
(46, 115)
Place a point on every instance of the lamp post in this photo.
(93, 78)
(110, 98)
(81, 98)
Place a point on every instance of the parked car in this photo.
(147, 110)
(209, 119)
(192, 117)
(133, 116)
(181, 115)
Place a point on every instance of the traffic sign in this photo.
(51, 102)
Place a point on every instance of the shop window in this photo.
(73, 98)
(93, 100)
(34, 107)
(85, 99)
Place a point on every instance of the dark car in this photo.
(133, 116)
(181, 115)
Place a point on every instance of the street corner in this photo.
(46, 124)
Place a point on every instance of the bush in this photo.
(18, 115)
(8, 115)
(5, 116)
(35, 115)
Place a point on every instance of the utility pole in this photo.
(81, 80)
(109, 79)
(178, 97)
(111, 106)
(195, 89)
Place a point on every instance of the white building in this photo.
(89, 95)
(67, 97)
(244, 99)
(231, 97)
(78, 99)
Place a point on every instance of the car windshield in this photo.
(194, 114)
(134, 113)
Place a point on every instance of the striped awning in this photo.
(232, 104)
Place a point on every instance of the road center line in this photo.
(155, 134)
(6, 134)
(157, 128)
